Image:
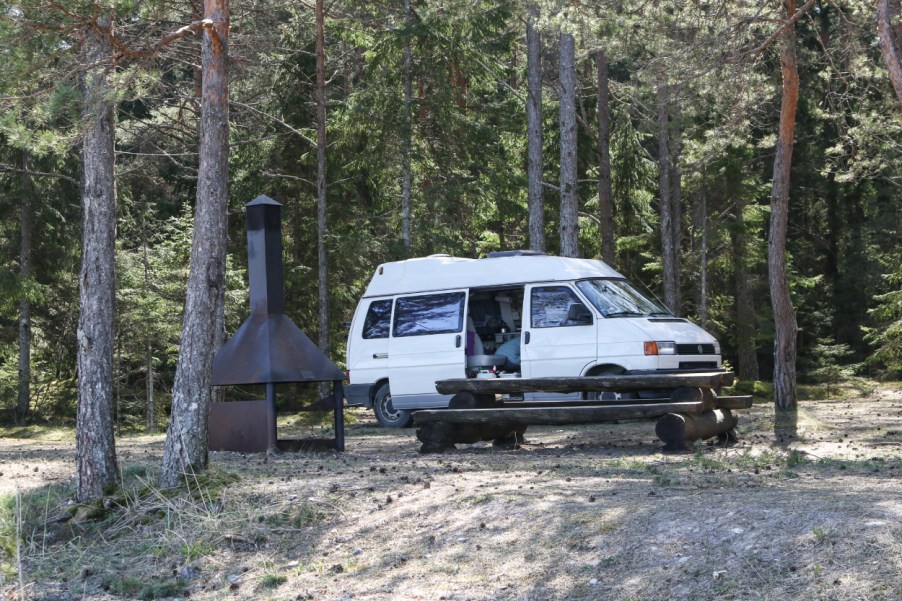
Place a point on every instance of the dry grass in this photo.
(589, 512)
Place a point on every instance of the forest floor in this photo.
(584, 512)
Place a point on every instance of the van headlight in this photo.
(716, 347)
(660, 347)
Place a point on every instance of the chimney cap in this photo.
(263, 199)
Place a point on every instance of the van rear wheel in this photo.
(386, 414)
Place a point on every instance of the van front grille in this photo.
(698, 364)
(695, 349)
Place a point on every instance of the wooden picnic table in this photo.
(691, 411)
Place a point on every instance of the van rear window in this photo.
(378, 318)
(429, 314)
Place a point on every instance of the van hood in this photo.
(672, 328)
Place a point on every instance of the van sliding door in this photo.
(427, 344)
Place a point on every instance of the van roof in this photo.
(443, 272)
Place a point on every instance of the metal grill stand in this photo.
(268, 349)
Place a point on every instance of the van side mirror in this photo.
(578, 315)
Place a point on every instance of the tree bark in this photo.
(569, 196)
(785, 327)
(186, 440)
(406, 134)
(703, 257)
(668, 244)
(534, 133)
(746, 320)
(676, 194)
(605, 192)
(26, 226)
(889, 28)
(322, 259)
(149, 413)
(95, 456)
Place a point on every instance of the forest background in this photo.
(427, 153)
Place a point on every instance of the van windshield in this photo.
(618, 298)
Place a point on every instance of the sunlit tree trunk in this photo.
(569, 195)
(406, 134)
(186, 439)
(676, 194)
(785, 327)
(668, 244)
(534, 132)
(95, 446)
(322, 259)
(703, 255)
(889, 27)
(605, 192)
(26, 225)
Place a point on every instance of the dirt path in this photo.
(590, 512)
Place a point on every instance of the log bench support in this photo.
(679, 430)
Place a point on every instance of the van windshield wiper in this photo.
(624, 314)
(660, 314)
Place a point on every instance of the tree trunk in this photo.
(703, 257)
(322, 259)
(149, 413)
(406, 134)
(149, 409)
(746, 320)
(186, 439)
(26, 225)
(676, 195)
(534, 133)
(569, 196)
(605, 192)
(95, 456)
(889, 28)
(668, 244)
(785, 328)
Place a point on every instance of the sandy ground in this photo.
(587, 512)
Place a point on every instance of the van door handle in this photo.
(457, 341)
(380, 355)
(526, 338)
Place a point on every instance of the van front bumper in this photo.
(358, 395)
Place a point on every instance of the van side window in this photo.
(430, 314)
(377, 319)
(550, 306)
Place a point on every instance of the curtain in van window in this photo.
(377, 319)
(429, 314)
(549, 306)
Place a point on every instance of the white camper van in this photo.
(512, 314)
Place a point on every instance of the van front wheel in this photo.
(386, 414)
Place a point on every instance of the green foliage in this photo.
(886, 338)
(830, 364)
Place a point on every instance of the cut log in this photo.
(734, 402)
(676, 430)
(705, 396)
(553, 415)
(585, 384)
(442, 436)
(468, 400)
